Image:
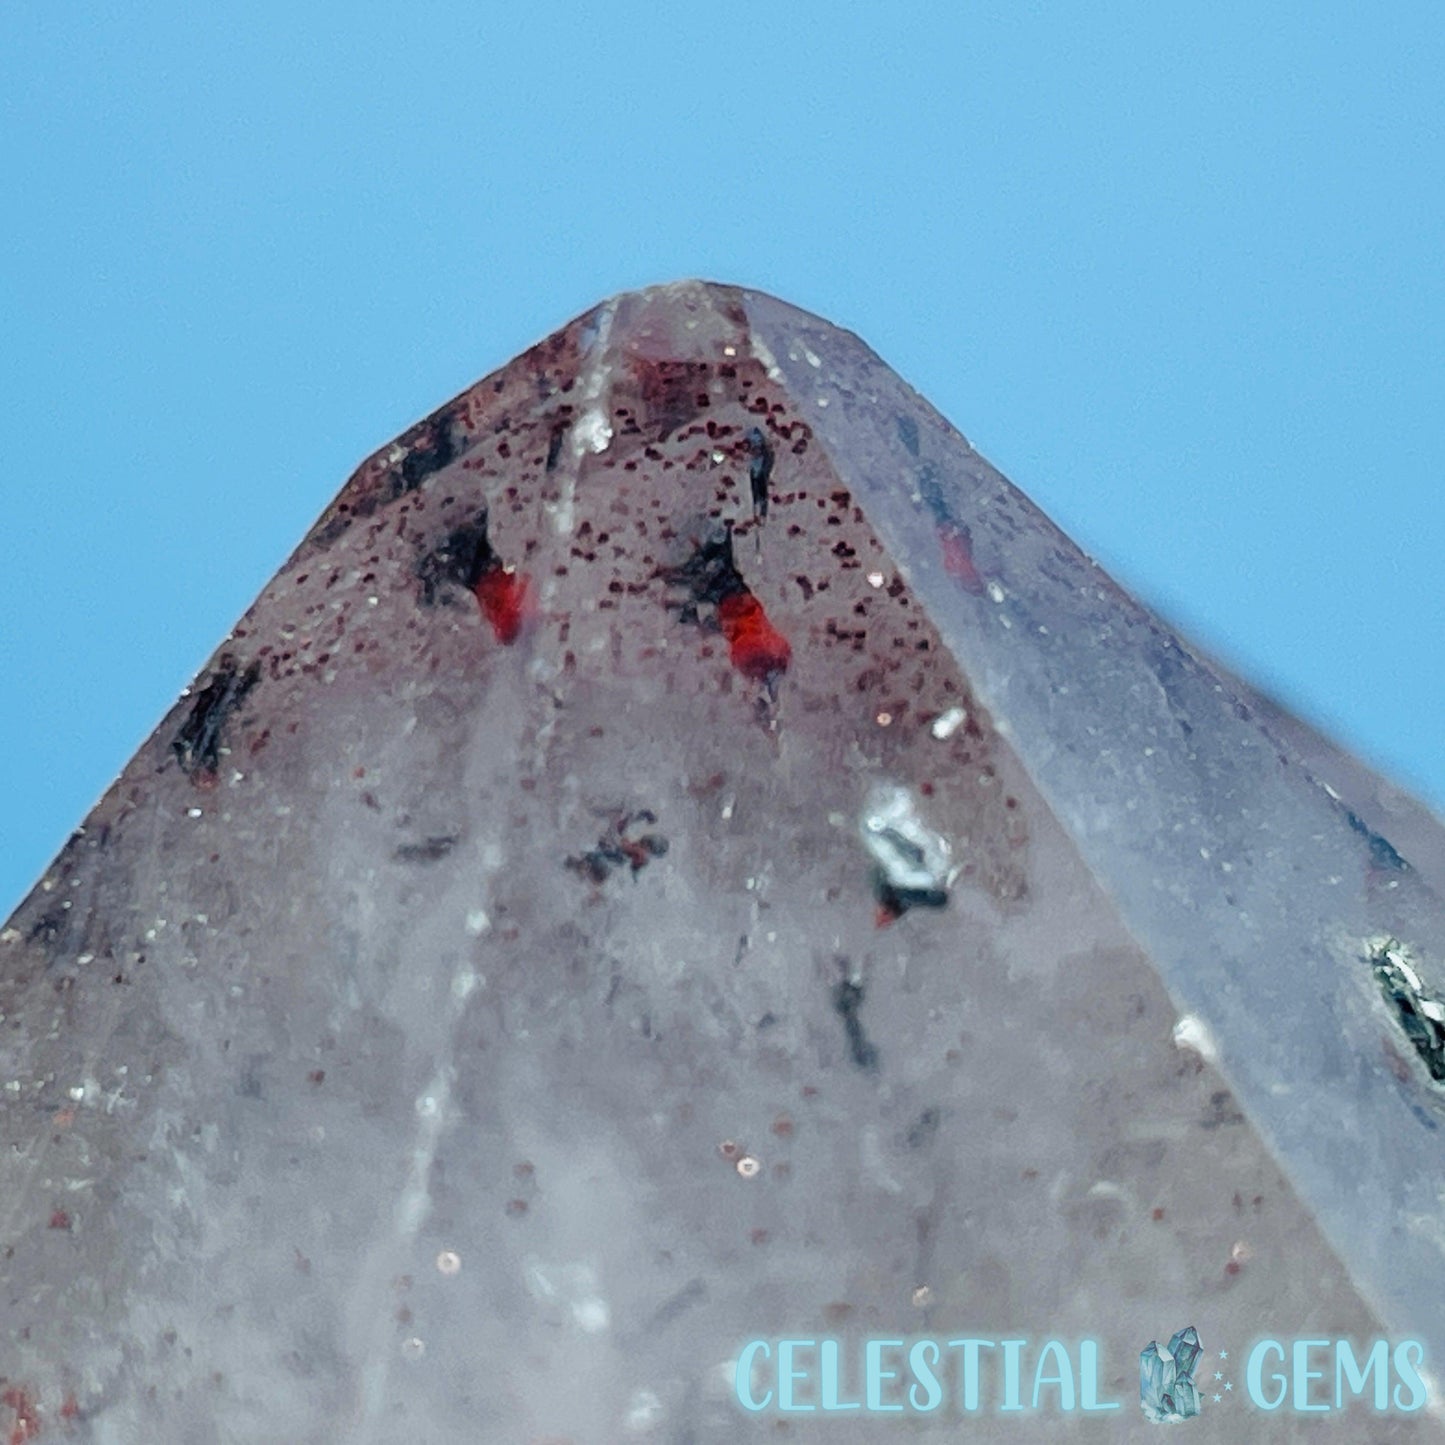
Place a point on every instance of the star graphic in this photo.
(1218, 1398)
(1218, 1375)
(1224, 1354)
(1229, 1384)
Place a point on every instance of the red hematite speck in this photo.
(506, 602)
(957, 551)
(26, 1424)
(757, 649)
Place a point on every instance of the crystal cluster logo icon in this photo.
(1167, 1392)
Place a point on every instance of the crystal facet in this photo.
(684, 853)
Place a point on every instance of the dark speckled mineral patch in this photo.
(684, 853)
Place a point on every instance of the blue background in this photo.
(1176, 270)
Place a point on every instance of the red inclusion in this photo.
(957, 548)
(506, 602)
(758, 650)
(27, 1417)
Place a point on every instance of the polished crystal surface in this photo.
(683, 853)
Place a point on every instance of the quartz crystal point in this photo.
(685, 853)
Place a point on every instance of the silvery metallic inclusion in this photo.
(1420, 1010)
(912, 859)
(685, 854)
